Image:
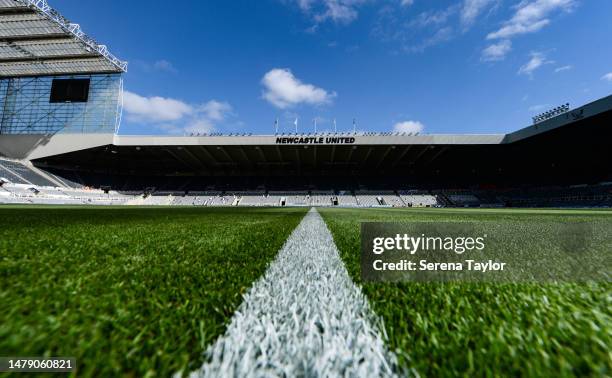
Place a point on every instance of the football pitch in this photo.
(145, 291)
(477, 329)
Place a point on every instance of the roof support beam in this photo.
(350, 155)
(176, 157)
(209, 156)
(264, 165)
(297, 156)
(32, 37)
(224, 152)
(32, 58)
(198, 161)
(262, 155)
(425, 149)
(244, 155)
(399, 158)
(248, 162)
(365, 160)
(280, 156)
(441, 150)
(384, 156)
(299, 164)
(16, 10)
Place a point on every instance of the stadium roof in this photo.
(577, 142)
(36, 40)
(247, 147)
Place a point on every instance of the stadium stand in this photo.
(283, 198)
(157, 200)
(379, 198)
(256, 199)
(67, 179)
(489, 200)
(222, 200)
(388, 198)
(576, 196)
(50, 195)
(19, 173)
(464, 200)
(252, 198)
(419, 199)
(368, 199)
(187, 200)
(297, 199)
(321, 198)
(278, 198)
(345, 198)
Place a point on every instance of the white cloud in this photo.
(284, 90)
(472, 9)
(537, 60)
(531, 16)
(496, 51)
(415, 34)
(564, 68)
(408, 127)
(154, 109)
(406, 3)
(161, 65)
(433, 18)
(164, 65)
(339, 11)
(201, 126)
(215, 110)
(173, 115)
(425, 30)
(538, 108)
(440, 36)
(607, 77)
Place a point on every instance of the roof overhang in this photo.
(40, 146)
(306, 139)
(35, 146)
(36, 40)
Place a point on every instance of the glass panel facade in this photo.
(25, 106)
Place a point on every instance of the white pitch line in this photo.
(305, 317)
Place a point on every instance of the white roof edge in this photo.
(271, 140)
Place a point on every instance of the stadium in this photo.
(238, 254)
(61, 95)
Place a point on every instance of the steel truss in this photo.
(43, 7)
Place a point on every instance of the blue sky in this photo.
(461, 66)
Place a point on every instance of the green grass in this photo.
(453, 329)
(129, 291)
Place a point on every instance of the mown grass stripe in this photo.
(129, 291)
(480, 329)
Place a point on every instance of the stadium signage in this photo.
(315, 140)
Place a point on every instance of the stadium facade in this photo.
(61, 105)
